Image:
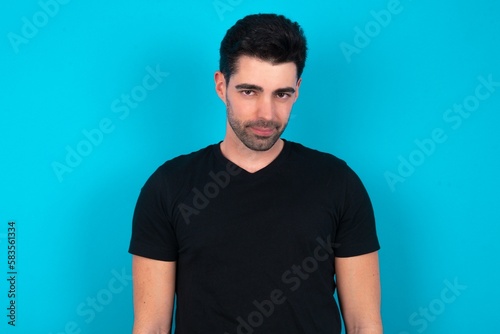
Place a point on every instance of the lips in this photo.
(264, 132)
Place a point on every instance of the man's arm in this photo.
(154, 289)
(358, 284)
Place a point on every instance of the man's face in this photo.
(259, 99)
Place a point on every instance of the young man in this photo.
(254, 234)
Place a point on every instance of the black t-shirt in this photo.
(255, 251)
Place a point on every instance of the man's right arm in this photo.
(154, 289)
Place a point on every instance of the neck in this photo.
(251, 161)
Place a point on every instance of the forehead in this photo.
(256, 71)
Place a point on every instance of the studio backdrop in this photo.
(95, 95)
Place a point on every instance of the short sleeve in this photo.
(153, 235)
(356, 233)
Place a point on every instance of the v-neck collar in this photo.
(271, 168)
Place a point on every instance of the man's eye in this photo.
(283, 95)
(247, 92)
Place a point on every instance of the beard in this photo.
(245, 134)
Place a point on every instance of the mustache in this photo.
(263, 124)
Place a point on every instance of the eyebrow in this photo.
(260, 89)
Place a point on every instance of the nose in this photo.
(265, 109)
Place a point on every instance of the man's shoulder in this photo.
(315, 157)
(320, 165)
(177, 168)
(188, 161)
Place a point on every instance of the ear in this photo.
(220, 85)
(297, 88)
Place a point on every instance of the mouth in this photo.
(263, 132)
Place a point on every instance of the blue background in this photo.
(437, 223)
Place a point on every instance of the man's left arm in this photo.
(358, 287)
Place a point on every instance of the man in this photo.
(250, 233)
